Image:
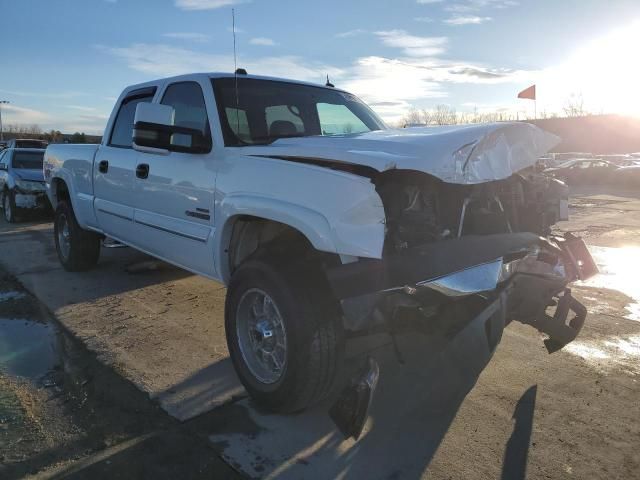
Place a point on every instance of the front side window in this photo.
(28, 160)
(122, 133)
(275, 109)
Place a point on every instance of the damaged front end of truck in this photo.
(459, 254)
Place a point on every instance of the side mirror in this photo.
(154, 132)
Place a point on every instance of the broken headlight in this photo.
(30, 186)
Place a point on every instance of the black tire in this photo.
(83, 249)
(314, 335)
(9, 206)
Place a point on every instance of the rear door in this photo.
(175, 191)
(114, 170)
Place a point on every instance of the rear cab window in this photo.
(25, 160)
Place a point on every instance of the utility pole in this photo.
(2, 102)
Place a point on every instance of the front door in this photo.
(114, 171)
(175, 191)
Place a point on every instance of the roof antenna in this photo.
(329, 84)
(235, 70)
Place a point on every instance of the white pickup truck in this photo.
(322, 221)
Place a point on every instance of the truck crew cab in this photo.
(321, 220)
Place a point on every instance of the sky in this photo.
(64, 62)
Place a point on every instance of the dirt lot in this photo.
(156, 331)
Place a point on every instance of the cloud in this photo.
(164, 60)
(467, 6)
(428, 2)
(189, 36)
(205, 4)
(423, 19)
(466, 20)
(82, 108)
(412, 45)
(59, 95)
(12, 114)
(350, 33)
(263, 41)
(390, 85)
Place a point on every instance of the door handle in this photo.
(142, 170)
(103, 166)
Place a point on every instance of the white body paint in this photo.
(337, 212)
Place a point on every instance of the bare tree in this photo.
(414, 117)
(574, 106)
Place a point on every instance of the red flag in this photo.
(529, 93)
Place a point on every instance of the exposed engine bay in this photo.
(422, 209)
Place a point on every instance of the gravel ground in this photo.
(159, 331)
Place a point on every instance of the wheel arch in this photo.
(243, 234)
(58, 191)
(357, 230)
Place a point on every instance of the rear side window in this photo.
(122, 133)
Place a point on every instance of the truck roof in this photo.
(225, 75)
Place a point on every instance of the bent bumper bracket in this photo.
(559, 330)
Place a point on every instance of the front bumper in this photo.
(444, 286)
(31, 200)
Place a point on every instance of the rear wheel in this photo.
(284, 336)
(9, 206)
(77, 249)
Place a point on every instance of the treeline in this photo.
(52, 136)
(446, 115)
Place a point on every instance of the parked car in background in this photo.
(627, 176)
(583, 171)
(26, 143)
(621, 160)
(22, 184)
(557, 159)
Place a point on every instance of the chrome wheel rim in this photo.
(64, 236)
(7, 207)
(261, 336)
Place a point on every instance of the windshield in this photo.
(261, 111)
(28, 160)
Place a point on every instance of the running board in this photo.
(111, 243)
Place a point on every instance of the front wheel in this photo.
(9, 206)
(284, 338)
(77, 249)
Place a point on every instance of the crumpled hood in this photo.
(463, 154)
(32, 175)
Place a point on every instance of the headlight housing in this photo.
(30, 186)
